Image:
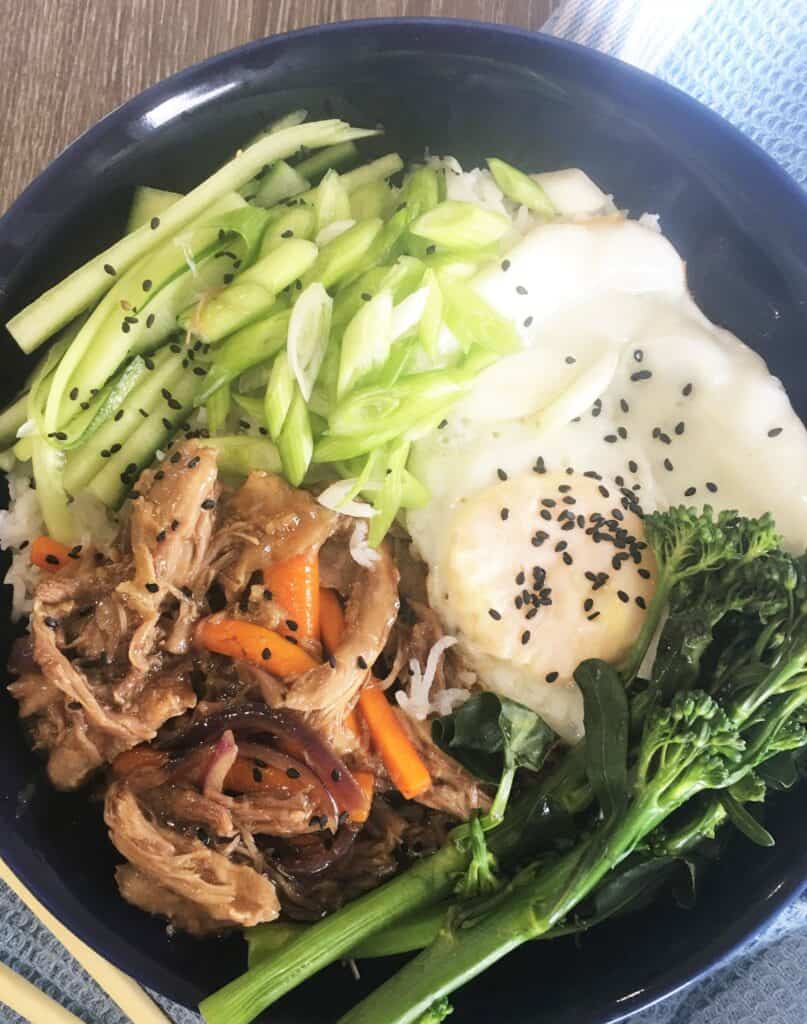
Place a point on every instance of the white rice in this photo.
(418, 702)
(19, 524)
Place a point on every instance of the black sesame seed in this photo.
(332, 661)
(593, 616)
(175, 458)
(546, 514)
(775, 431)
(551, 677)
(496, 616)
(200, 371)
(540, 466)
(570, 360)
(668, 465)
(109, 269)
(521, 290)
(504, 514)
(604, 491)
(688, 493)
(208, 504)
(147, 285)
(711, 487)
(84, 405)
(431, 250)
(568, 526)
(640, 602)
(528, 321)
(680, 427)
(641, 375)
(623, 405)
(638, 355)
(505, 265)
(336, 775)
(154, 223)
(152, 588)
(267, 594)
(292, 625)
(167, 423)
(288, 233)
(622, 432)
(126, 327)
(150, 320)
(361, 662)
(194, 461)
(548, 502)
(610, 438)
(228, 278)
(622, 596)
(567, 558)
(500, 473)
(520, 579)
(525, 637)
(73, 394)
(266, 654)
(531, 613)
(686, 391)
(632, 466)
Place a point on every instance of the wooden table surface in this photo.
(66, 63)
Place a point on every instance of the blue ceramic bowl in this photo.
(471, 90)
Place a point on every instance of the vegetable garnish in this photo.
(401, 759)
(294, 585)
(49, 554)
(263, 647)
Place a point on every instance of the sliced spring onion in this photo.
(330, 200)
(520, 187)
(60, 304)
(254, 379)
(245, 348)
(373, 415)
(421, 191)
(388, 500)
(251, 405)
(375, 199)
(407, 314)
(351, 297)
(376, 170)
(295, 441)
(252, 295)
(279, 395)
(432, 319)
(474, 322)
(238, 455)
(366, 342)
(333, 230)
(299, 220)
(217, 408)
(341, 256)
(309, 330)
(314, 166)
(281, 181)
(147, 395)
(457, 225)
(147, 203)
(385, 246)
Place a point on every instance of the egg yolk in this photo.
(546, 570)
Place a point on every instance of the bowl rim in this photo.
(55, 193)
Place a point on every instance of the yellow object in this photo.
(136, 1005)
(25, 999)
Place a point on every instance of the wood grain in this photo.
(66, 63)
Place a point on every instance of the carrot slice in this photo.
(246, 777)
(239, 639)
(331, 620)
(366, 781)
(406, 768)
(294, 583)
(138, 757)
(48, 553)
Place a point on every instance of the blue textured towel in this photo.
(747, 59)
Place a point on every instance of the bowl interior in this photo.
(471, 91)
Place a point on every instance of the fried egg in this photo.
(628, 396)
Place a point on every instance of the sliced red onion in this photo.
(292, 736)
(312, 854)
(224, 754)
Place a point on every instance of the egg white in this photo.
(620, 374)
